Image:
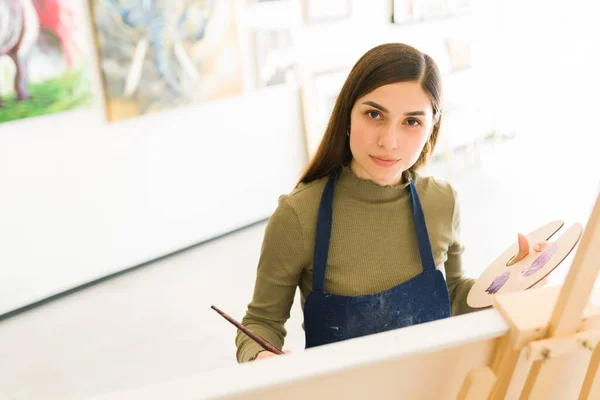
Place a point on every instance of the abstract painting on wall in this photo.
(42, 58)
(160, 54)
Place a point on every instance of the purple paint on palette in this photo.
(540, 261)
(498, 283)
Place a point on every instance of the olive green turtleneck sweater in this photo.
(373, 248)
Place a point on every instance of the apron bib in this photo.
(330, 318)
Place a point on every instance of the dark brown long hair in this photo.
(382, 65)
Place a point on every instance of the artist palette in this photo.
(499, 278)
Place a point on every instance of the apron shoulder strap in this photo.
(422, 235)
(323, 235)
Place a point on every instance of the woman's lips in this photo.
(384, 161)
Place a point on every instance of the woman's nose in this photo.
(388, 138)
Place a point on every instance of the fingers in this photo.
(523, 249)
(523, 246)
(267, 354)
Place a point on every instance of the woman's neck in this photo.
(361, 173)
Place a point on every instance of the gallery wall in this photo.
(89, 192)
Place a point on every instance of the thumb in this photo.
(523, 249)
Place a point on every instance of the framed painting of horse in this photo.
(43, 62)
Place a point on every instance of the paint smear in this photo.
(540, 261)
(498, 283)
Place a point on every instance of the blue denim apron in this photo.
(330, 318)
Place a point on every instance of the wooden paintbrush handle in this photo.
(265, 344)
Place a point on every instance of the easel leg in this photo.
(591, 384)
(504, 367)
(540, 379)
(478, 384)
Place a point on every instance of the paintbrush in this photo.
(265, 344)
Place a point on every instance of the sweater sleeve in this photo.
(458, 285)
(278, 275)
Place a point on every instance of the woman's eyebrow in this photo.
(382, 108)
(377, 106)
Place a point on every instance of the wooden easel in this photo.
(515, 350)
(548, 327)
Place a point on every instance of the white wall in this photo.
(81, 198)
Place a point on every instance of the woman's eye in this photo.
(413, 122)
(373, 114)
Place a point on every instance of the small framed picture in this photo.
(275, 57)
(434, 9)
(459, 53)
(265, 1)
(459, 6)
(327, 87)
(319, 97)
(405, 11)
(318, 11)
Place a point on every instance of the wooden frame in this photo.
(537, 344)
(416, 11)
(319, 92)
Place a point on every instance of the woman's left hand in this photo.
(524, 251)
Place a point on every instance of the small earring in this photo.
(427, 148)
(348, 133)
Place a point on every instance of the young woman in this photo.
(363, 235)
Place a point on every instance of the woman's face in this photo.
(388, 129)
